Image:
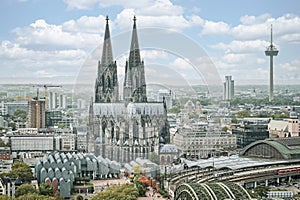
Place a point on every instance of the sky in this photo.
(192, 41)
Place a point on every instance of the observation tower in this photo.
(271, 51)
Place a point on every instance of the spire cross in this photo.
(107, 19)
(134, 19)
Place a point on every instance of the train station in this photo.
(271, 162)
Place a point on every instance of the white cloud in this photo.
(42, 35)
(242, 46)
(215, 28)
(288, 71)
(175, 22)
(86, 24)
(148, 7)
(182, 64)
(161, 8)
(79, 4)
(235, 58)
(153, 54)
(255, 27)
(15, 58)
(253, 20)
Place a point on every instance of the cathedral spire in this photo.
(134, 56)
(107, 56)
(106, 86)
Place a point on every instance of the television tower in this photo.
(271, 51)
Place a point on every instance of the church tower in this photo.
(106, 86)
(134, 82)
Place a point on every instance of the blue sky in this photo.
(56, 41)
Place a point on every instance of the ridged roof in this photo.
(285, 146)
(212, 190)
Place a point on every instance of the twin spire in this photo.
(107, 55)
(134, 81)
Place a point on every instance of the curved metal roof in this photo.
(212, 190)
(289, 148)
(230, 162)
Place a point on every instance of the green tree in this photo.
(234, 120)
(261, 191)
(46, 189)
(4, 197)
(21, 170)
(19, 113)
(141, 188)
(137, 169)
(79, 197)
(12, 125)
(2, 143)
(24, 189)
(35, 196)
(174, 109)
(125, 191)
(225, 129)
(243, 114)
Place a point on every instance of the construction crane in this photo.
(46, 91)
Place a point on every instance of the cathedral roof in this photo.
(117, 109)
(169, 148)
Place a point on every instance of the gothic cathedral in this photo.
(124, 129)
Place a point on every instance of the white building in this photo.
(228, 88)
(284, 128)
(62, 101)
(197, 141)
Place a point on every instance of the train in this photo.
(285, 171)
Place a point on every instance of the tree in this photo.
(46, 189)
(125, 191)
(174, 109)
(12, 125)
(79, 197)
(2, 143)
(137, 169)
(234, 120)
(243, 114)
(24, 189)
(20, 114)
(4, 197)
(22, 171)
(261, 191)
(225, 129)
(35, 196)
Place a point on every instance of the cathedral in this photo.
(123, 129)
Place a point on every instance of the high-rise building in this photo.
(228, 88)
(123, 130)
(52, 100)
(62, 101)
(36, 113)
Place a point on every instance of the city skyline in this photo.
(51, 41)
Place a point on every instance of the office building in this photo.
(251, 130)
(36, 114)
(228, 88)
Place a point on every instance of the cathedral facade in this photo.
(124, 129)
